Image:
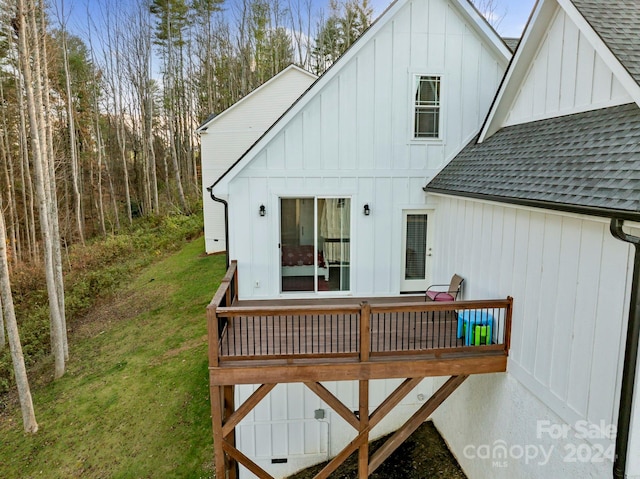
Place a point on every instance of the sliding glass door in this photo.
(315, 246)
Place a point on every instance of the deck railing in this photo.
(226, 295)
(363, 331)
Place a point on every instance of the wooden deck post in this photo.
(236, 296)
(218, 439)
(507, 331)
(363, 451)
(365, 331)
(212, 335)
(229, 409)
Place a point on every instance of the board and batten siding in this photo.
(570, 280)
(283, 425)
(230, 134)
(566, 76)
(354, 138)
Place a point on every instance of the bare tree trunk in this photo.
(40, 53)
(120, 131)
(3, 340)
(24, 392)
(148, 107)
(99, 146)
(171, 123)
(112, 191)
(300, 18)
(40, 172)
(99, 149)
(75, 182)
(10, 189)
(25, 175)
(7, 158)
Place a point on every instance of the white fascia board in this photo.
(203, 128)
(483, 27)
(534, 33)
(222, 185)
(628, 224)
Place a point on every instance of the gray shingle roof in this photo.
(511, 43)
(618, 24)
(587, 162)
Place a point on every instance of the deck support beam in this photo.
(334, 403)
(234, 419)
(363, 451)
(376, 368)
(218, 439)
(225, 419)
(415, 421)
(239, 457)
(228, 397)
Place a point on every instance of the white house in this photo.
(329, 202)
(226, 136)
(527, 210)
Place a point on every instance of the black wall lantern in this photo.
(263, 210)
(367, 211)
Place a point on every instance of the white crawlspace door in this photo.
(416, 251)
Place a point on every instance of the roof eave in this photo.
(216, 117)
(542, 204)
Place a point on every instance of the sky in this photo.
(514, 13)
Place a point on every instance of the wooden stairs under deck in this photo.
(272, 342)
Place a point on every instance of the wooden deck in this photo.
(354, 338)
(336, 339)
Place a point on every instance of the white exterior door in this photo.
(416, 250)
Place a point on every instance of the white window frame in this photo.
(415, 78)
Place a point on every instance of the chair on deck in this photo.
(435, 292)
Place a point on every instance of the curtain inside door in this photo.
(334, 228)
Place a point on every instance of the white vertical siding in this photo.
(570, 280)
(566, 76)
(234, 131)
(283, 425)
(354, 138)
(634, 440)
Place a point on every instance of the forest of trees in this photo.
(97, 121)
(98, 111)
(119, 99)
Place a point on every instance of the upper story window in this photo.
(426, 123)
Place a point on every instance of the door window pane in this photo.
(315, 244)
(415, 262)
(335, 237)
(297, 245)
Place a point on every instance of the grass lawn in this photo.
(134, 402)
